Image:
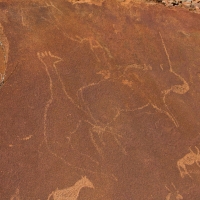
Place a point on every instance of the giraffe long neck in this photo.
(79, 185)
(74, 190)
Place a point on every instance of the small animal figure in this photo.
(188, 159)
(173, 195)
(72, 192)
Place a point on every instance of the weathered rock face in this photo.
(108, 91)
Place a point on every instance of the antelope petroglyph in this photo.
(72, 192)
(188, 159)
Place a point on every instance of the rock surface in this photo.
(100, 100)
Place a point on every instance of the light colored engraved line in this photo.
(179, 89)
(5, 49)
(71, 193)
(189, 159)
(114, 118)
(120, 144)
(2, 78)
(52, 5)
(95, 144)
(59, 59)
(69, 141)
(190, 75)
(22, 17)
(140, 108)
(80, 40)
(62, 83)
(79, 93)
(16, 195)
(161, 67)
(115, 135)
(27, 138)
(150, 103)
(100, 131)
(4, 45)
(90, 2)
(138, 66)
(167, 113)
(168, 58)
(63, 86)
(174, 194)
(49, 102)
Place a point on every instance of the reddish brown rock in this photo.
(99, 101)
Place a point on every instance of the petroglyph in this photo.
(189, 159)
(128, 83)
(133, 110)
(173, 194)
(94, 44)
(179, 89)
(137, 66)
(104, 73)
(161, 67)
(4, 50)
(50, 4)
(50, 67)
(2, 78)
(95, 2)
(22, 17)
(41, 57)
(53, 64)
(72, 192)
(4, 43)
(165, 110)
(100, 130)
(74, 149)
(27, 138)
(79, 93)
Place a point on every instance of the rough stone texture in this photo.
(106, 90)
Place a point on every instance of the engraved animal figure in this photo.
(173, 195)
(67, 104)
(159, 103)
(72, 192)
(188, 159)
(178, 89)
(54, 77)
(4, 49)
